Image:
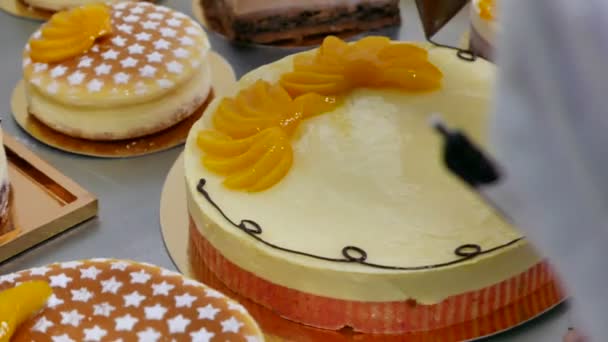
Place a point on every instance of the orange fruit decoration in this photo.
(71, 33)
(374, 62)
(250, 144)
(19, 304)
(487, 8)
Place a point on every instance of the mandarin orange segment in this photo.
(20, 303)
(487, 8)
(338, 68)
(250, 143)
(71, 33)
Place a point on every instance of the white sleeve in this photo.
(550, 133)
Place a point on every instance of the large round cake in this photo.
(118, 300)
(348, 217)
(145, 70)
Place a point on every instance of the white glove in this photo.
(550, 134)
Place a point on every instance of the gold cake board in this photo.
(174, 222)
(222, 81)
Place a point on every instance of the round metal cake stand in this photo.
(129, 189)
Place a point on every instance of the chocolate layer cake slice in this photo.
(294, 21)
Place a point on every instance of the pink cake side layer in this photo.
(381, 317)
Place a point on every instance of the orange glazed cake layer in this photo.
(318, 178)
(117, 300)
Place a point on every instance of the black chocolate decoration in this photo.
(350, 254)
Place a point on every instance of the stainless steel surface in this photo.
(129, 189)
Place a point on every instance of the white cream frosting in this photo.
(487, 29)
(121, 121)
(368, 175)
(242, 7)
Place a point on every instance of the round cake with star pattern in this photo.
(113, 72)
(116, 300)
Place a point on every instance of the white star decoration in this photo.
(167, 32)
(175, 67)
(125, 28)
(129, 62)
(9, 278)
(184, 300)
(154, 57)
(119, 41)
(42, 325)
(54, 301)
(181, 53)
(57, 72)
(231, 325)
(149, 335)
(70, 264)
(85, 62)
(89, 273)
(178, 324)
(26, 62)
(147, 71)
(202, 335)
(155, 312)
(161, 44)
(121, 6)
(140, 277)
(72, 318)
(131, 18)
(81, 295)
(60, 280)
(94, 334)
(136, 49)
(208, 312)
(119, 265)
(39, 271)
(103, 69)
(76, 78)
(213, 293)
(191, 30)
(156, 16)
(62, 338)
(186, 41)
(137, 10)
(174, 22)
(37, 81)
(121, 78)
(162, 289)
(110, 54)
(94, 85)
(125, 323)
(38, 67)
(252, 339)
(143, 36)
(110, 285)
(103, 309)
(191, 282)
(165, 83)
(133, 299)
(150, 25)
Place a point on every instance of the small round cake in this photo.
(115, 300)
(146, 71)
(60, 5)
(5, 190)
(317, 190)
(484, 27)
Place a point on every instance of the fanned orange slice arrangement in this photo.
(251, 142)
(374, 62)
(19, 304)
(487, 9)
(71, 33)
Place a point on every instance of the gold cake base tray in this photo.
(222, 81)
(174, 224)
(37, 187)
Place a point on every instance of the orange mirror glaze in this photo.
(374, 62)
(19, 304)
(251, 144)
(71, 33)
(487, 8)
